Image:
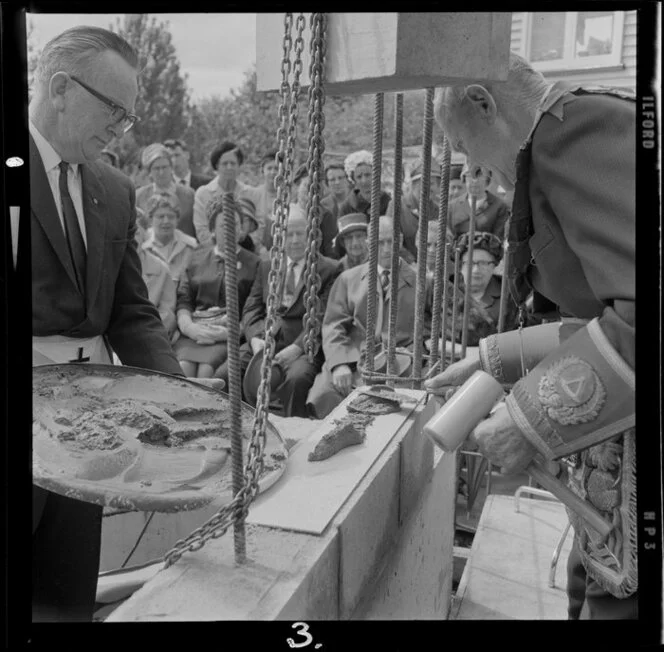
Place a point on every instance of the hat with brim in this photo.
(247, 211)
(252, 378)
(416, 170)
(352, 222)
(153, 152)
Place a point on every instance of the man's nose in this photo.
(117, 129)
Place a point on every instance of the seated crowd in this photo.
(181, 242)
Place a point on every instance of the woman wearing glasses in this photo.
(484, 287)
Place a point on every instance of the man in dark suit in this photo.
(300, 373)
(88, 294)
(182, 174)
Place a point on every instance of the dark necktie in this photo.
(385, 282)
(72, 229)
(183, 182)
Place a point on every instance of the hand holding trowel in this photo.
(463, 417)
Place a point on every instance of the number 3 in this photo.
(304, 631)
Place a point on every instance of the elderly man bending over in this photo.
(344, 324)
(569, 154)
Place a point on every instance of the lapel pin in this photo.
(94, 201)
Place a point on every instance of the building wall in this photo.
(622, 75)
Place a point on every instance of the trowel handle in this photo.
(471, 403)
(590, 515)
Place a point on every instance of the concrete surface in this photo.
(358, 567)
(506, 576)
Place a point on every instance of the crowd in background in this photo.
(180, 237)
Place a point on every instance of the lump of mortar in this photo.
(345, 434)
(372, 405)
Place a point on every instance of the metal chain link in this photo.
(238, 508)
(377, 162)
(313, 310)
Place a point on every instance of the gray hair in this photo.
(76, 49)
(524, 88)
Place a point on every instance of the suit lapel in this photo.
(96, 213)
(43, 207)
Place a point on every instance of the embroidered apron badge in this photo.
(571, 392)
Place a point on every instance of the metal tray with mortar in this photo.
(132, 438)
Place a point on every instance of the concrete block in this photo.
(415, 581)
(416, 460)
(367, 529)
(208, 585)
(384, 52)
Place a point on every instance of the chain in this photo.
(377, 162)
(313, 311)
(440, 270)
(238, 508)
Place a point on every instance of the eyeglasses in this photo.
(119, 114)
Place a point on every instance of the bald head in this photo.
(489, 122)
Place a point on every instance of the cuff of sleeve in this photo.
(348, 357)
(500, 354)
(578, 396)
(490, 360)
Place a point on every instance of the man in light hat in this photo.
(352, 239)
(156, 160)
(344, 325)
(289, 334)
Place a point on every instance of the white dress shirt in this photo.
(186, 178)
(51, 160)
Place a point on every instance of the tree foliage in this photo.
(33, 53)
(163, 103)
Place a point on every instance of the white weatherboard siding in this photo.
(621, 75)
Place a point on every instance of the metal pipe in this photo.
(396, 233)
(455, 300)
(425, 188)
(504, 288)
(469, 271)
(441, 251)
(234, 376)
(373, 231)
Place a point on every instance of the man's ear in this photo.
(57, 88)
(483, 102)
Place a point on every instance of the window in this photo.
(574, 39)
